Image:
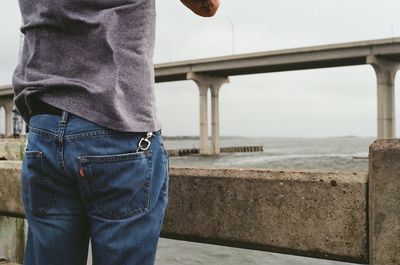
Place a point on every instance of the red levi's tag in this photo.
(81, 172)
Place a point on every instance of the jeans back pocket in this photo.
(37, 194)
(117, 186)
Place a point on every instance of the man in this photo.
(95, 166)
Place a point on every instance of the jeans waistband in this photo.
(72, 124)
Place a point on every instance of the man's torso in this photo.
(92, 58)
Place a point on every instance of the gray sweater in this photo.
(92, 58)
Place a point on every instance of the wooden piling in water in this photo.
(235, 149)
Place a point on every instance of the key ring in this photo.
(144, 143)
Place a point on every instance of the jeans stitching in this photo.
(149, 179)
(33, 153)
(86, 135)
(124, 157)
(147, 196)
(43, 132)
(113, 158)
(51, 199)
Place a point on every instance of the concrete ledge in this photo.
(306, 213)
(12, 239)
(11, 149)
(10, 189)
(384, 202)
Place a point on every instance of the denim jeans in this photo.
(82, 181)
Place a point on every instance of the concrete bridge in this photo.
(6, 101)
(352, 216)
(212, 73)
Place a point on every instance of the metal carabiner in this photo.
(144, 143)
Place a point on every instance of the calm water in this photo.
(279, 153)
(284, 153)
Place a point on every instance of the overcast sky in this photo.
(324, 102)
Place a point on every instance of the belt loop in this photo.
(64, 116)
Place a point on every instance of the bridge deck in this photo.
(324, 56)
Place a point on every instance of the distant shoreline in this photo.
(198, 138)
(182, 138)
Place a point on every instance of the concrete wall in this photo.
(12, 149)
(12, 238)
(12, 228)
(10, 189)
(384, 201)
(318, 214)
(306, 213)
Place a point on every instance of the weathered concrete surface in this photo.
(12, 149)
(384, 202)
(307, 213)
(12, 238)
(10, 188)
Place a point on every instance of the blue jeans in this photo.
(82, 181)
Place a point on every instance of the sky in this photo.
(311, 103)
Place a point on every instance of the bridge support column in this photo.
(385, 73)
(215, 87)
(8, 122)
(205, 82)
(203, 119)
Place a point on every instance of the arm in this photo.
(204, 8)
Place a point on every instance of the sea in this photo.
(326, 154)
